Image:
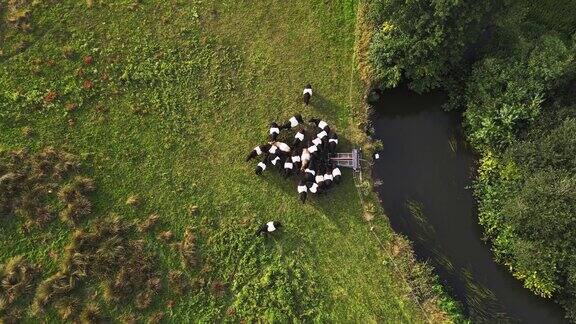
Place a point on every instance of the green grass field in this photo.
(177, 93)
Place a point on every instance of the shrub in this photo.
(505, 94)
(422, 41)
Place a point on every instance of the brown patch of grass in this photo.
(29, 181)
(70, 107)
(19, 14)
(187, 248)
(155, 318)
(149, 223)
(50, 96)
(73, 195)
(165, 236)
(218, 288)
(105, 252)
(178, 282)
(134, 200)
(88, 59)
(67, 308)
(17, 281)
(87, 84)
(92, 314)
(27, 131)
(193, 210)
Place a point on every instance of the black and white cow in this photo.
(313, 187)
(332, 142)
(261, 166)
(275, 160)
(273, 132)
(310, 171)
(328, 178)
(296, 158)
(257, 151)
(293, 122)
(302, 191)
(288, 168)
(320, 124)
(268, 228)
(307, 94)
(273, 149)
(299, 138)
(312, 148)
(336, 174)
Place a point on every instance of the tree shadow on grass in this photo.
(325, 106)
(334, 204)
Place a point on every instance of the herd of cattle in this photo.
(307, 156)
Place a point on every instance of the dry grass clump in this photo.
(156, 318)
(67, 308)
(218, 288)
(107, 253)
(92, 314)
(17, 281)
(19, 14)
(73, 196)
(149, 223)
(165, 236)
(134, 200)
(187, 248)
(28, 182)
(178, 282)
(58, 285)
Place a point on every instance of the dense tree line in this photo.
(517, 96)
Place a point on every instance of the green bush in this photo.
(421, 41)
(504, 94)
(528, 208)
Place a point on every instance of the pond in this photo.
(424, 179)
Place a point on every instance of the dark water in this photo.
(425, 172)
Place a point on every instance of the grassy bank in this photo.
(162, 100)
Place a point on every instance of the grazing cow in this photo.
(310, 171)
(322, 134)
(307, 94)
(282, 147)
(261, 166)
(319, 179)
(274, 132)
(296, 160)
(273, 149)
(320, 124)
(288, 168)
(268, 228)
(274, 159)
(299, 138)
(257, 151)
(302, 191)
(336, 174)
(328, 178)
(305, 158)
(312, 148)
(313, 187)
(332, 142)
(293, 122)
(317, 141)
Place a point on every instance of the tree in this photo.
(504, 94)
(422, 40)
